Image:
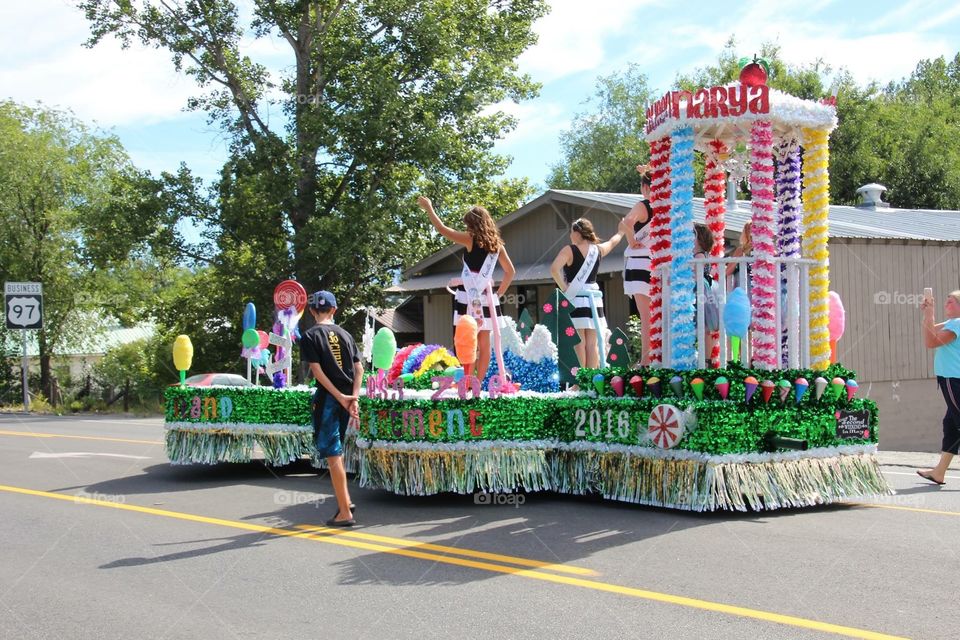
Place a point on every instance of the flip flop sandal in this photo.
(931, 479)
(333, 522)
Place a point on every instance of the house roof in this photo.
(96, 345)
(397, 322)
(845, 222)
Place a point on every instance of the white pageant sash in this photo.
(476, 284)
(574, 287)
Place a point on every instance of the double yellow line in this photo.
(522, 567)
(32, 434)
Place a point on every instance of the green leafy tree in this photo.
(903, 136)
(57, 180)
(381, 100)
(602, 148)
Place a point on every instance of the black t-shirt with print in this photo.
(334, 349)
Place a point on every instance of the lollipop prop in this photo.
(290, 299)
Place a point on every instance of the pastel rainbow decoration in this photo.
(683, 332)
(396, 369)
(439, 356)
(788, 199)
(660, 192)
(766, 279)
(816, 207)
(415, 358)
(714, 186)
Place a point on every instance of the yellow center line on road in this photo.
(936, 512)
(483, 555)
(30, 434)
(322, 535)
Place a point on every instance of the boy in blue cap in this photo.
(334, 361)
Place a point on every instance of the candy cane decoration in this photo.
(816, 207)
(713, 190)
(666, 426)
(660, 193)
(765, 284)
(683, 333)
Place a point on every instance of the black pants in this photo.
(950, 388)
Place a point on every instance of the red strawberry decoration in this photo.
(753, 73)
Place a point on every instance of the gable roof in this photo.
(845, 222)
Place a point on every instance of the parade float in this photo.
(779, 425)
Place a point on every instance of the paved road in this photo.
(101, 538)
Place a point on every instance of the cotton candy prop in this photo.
(837, 323)
(465, 342)
(736, 320)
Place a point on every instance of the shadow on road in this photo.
(545, 526)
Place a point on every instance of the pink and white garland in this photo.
(660, 194)
(713, 190)
(765, 284)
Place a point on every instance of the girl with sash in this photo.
(636, 264)
(484, 250)
(575, 271)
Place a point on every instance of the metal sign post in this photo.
(23, 305)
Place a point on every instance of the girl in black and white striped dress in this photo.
(566, 267)
(481, 240)
(636, 267)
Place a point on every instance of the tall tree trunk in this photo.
(44, 363)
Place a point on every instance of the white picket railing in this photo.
(791, 309)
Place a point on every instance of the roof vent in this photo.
(870, 194)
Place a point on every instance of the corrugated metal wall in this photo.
(880, 284)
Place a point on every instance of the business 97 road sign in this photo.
(23, 305)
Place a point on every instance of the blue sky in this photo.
(136, 94)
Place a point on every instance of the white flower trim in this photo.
(786, 110)
(596, 447)
(239, 427)
(451, 394)
(263, 387)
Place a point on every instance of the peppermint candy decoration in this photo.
(290, 293)
(666, 426)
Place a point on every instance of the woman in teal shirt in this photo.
(946, 365)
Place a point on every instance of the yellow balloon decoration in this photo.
(182, 355)
(816, 207)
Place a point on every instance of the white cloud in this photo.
(881, 56)
(41, 44)
(571, 36)
(43, 41)
(536, 119)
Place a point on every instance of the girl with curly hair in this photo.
(484, 250)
